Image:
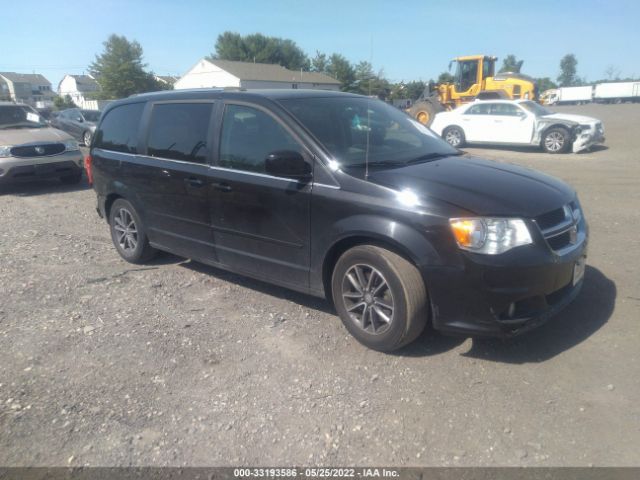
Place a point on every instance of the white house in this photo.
(226, 73)
(78, 87)
(166, 79)
(29, 88)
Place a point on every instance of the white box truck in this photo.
(569, 95)
(617, 92)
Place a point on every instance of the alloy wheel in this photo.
(126, 230)
(554, 141)
(453, 137)
(368, 298)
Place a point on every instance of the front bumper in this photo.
(503, 300)
(13, 169)
(585, 141)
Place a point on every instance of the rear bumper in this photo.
(13, 170)
(502, 301)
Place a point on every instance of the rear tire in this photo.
(128, 233)
(86, 138)
(380, 297)
(454, 136)
(556, 140)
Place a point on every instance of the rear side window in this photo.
(119, 129)
(480, 109)
(505, 109)
(179, 131)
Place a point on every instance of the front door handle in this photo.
(194, 182)
(222, 186)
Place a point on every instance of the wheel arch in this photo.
(108, 203)
(545, 128)
(404, 241)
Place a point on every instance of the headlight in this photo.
(490, 236)
(5, 151)
(71, 146)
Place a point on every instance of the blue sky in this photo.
(408, 39)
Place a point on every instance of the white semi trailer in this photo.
(617, 92)
(568, 95)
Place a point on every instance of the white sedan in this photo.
(517, 122)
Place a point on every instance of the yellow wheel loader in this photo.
(474, 78)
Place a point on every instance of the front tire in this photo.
(424, 112)
(86, 138)
(380, 297)
(556, 140)
(454, 136)
(128, 233)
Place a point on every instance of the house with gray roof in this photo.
(208, 73)
(79, 88)
(29, 88)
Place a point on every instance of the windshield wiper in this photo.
(373, 164)
(431, 156)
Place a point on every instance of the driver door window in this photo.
(248, 136)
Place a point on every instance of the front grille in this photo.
(560, 227)
(550, 219)
(560, 241)
(42, 150)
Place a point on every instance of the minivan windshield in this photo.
(356, 130)
(19, 116)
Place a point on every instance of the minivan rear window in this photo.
(178, 131)
(118, 131)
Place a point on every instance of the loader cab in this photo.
(470, 73)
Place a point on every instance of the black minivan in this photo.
(343, 196)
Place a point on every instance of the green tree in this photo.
(511, 64)
(370, 83)
(62, 103)
(545, 83)
(568, 72)
(319, 63)
(445, 77)
(340, 69)
(261, 49)
(414, 89)
(120, 71)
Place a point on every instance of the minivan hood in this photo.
(480, 186)
(19, 136)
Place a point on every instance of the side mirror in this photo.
(287, 163)
(79, 119)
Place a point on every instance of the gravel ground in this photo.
(176, 363)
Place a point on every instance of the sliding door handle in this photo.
(194, 182)
(222, 186)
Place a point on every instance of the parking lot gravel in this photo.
(176, 363)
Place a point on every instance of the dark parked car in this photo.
(342, 196)
(79, 123)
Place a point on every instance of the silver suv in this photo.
(31, 149)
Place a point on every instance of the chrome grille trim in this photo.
(570, 224)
